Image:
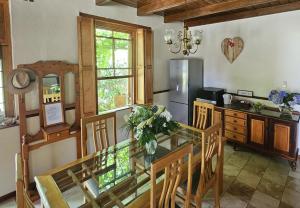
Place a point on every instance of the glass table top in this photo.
(116, 176)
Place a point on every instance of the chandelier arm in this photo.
(196, 49)
(175, 52)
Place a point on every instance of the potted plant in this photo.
(146, 122)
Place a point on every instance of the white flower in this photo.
(165, 125)
(166, 114)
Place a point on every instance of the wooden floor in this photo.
(250, 180)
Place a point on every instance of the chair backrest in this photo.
(211, 145)
(22, 197)
(99, 125)
(173, 166)
(202, 114)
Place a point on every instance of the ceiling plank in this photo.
(213, 9)
(131, 3)
(243, 14)
(102, 2)
(157, 6)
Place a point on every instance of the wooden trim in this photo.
(243, 14)
(7, 196)
(7, 59)
(114, 21)
(161, 91)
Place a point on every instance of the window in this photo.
(114, 69)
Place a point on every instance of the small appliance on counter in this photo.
(227, 99)
(211, 95)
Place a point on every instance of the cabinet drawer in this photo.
(57, 135)
(235, 128)
(235, 136)
(235, 121)
(235, 114)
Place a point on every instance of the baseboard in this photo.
(7, 196)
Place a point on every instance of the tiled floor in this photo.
(251, 180)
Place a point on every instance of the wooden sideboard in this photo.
(266, 132)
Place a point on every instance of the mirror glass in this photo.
(51, 88)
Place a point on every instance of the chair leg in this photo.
(198, 203)
(217, 195)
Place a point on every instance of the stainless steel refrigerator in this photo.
(186, 78)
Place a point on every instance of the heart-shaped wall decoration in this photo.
(232, 48)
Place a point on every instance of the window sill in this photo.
(116, 109)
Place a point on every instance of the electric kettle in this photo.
(227, 99)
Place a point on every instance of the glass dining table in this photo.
(115, 177)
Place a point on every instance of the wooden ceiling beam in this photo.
(244, 14)
(154, 6)
(214, 9)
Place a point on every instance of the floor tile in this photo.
(291, 197)
(241, 190)
(248, 178)
(227, 181)
(230, 201)
(273, 189)
(238, 159)
(255, 169)
(284, 205)
(259, 161)
(231, 170)
(261, 200)
(294, 174)
(293, 183)
(275, 176)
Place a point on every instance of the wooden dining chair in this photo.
(173, 166)
(208, 175)
(100, 129)
(22, 197)
(203, 115)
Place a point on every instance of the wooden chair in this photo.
(173, 166)
(203, 115)
(100, 131)
(207, 176)
(22, 197)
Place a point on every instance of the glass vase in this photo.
(151, 147)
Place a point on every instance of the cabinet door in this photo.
(284, 136)
(257, 130)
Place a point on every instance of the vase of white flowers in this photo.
(146, 122)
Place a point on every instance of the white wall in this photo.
(9, 145)
(47, 30)
(270, 56)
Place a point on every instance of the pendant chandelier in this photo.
(185, 42)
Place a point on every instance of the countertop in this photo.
(265, 112)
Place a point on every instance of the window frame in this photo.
(124, 28)
(6, 49)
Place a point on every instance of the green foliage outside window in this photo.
(113, 54)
